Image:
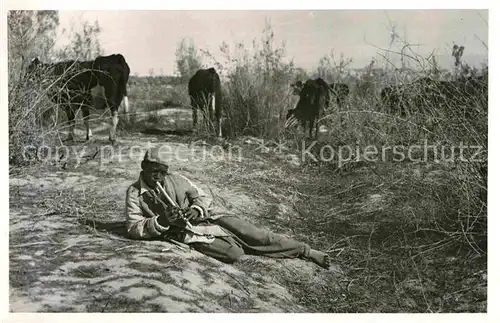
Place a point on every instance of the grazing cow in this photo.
(468, 95)
(205, 93)
(299, 85)
(428, 96)
(339, 91)
(403, 99)
(77, 83)
(312, 103)
(119, 71)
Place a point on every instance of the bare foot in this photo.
(320, 258)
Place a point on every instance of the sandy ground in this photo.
(61, 259)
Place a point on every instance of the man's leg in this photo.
(224, 249)
(263, 242)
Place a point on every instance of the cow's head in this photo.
(308, 92)
(297, 87)
(33, 67)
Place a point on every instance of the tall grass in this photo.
(33, 117)
(256, 87)
(434, 211)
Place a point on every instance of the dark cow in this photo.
(339, 91)
(312, 104)
(75, 85)
(468, 96)
(299, 85)
(205, 93)
(404, 99)
(427, 96)
(119, 71)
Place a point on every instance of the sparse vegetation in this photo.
(411, 236)
(33, 118)
(256, 91)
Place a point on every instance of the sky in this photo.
(148, 39)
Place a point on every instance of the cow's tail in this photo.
(126, 108)
(216, 101)
(123, 89)
(216, 92)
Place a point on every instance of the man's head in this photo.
(154, 167)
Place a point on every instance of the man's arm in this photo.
(196, 197)
(139, 226)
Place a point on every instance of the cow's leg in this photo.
(341, 109)
(219, 126)
(112, 98)
(195, 118)
(114, 123)
(218, 117)
(315, 124)
(126, 108)
(212, 105)
(194, 107)
(70, 113)
(211, 112)
(86, 121)
(316, 121)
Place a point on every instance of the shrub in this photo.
(32, 116)
(256, 87)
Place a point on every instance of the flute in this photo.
(172, 203)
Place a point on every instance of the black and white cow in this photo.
(75, 84)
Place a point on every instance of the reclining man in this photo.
(175, 210)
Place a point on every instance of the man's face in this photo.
(153, 173)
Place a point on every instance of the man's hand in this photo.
(192, 214)
(172, 217)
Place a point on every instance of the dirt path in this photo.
(68, 250)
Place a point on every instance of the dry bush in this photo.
(33, 117)
(410, 234)
(256, 87)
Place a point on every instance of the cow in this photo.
(76, 84)
(428, 96)
(403, 99)
(299, 85)
(313, 101)
(468, 95)
(204, 90)
(339, 91)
